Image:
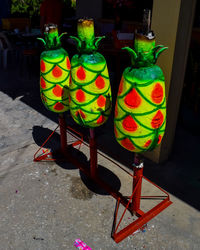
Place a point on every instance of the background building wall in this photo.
(89, 8)
(172, 23)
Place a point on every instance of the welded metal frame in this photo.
(131, 203)
(64, 129)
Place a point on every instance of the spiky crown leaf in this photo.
(145, 53)
(86, 42)
(51, 38)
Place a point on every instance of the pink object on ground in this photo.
(81, 245)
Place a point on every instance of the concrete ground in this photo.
(47, 205)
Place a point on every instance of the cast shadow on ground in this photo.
(172, 175)
(103, 173)
(107, 176)
(40, 134)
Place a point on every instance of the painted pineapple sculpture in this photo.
(54, 72)
(90, 91)
(140, 111)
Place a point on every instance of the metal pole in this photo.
(146, 21)
(138, 174)
(63, 134)
(93, 154)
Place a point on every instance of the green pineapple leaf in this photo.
(132, 54)
(157, 53)
(41, 39)
(97, 41)
(78, 42)
(157, 47)
(65, 33)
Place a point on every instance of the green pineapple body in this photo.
(54, 79)
(140, 111)
(90, 91)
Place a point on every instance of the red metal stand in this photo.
(63, 134)
(47, 156)
(143, 217)
(137, 181)
(132, 203)
(93, 155)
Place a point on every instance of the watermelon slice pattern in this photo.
(140, 111)
(90, 91)
(54, 80)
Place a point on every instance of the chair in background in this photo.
(6, 48)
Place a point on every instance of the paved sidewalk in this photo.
(46, 206)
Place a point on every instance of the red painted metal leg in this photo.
(144, 217)
(63, 134)
(137, 180)
(43, 156)
(93, 155)
(137, 224)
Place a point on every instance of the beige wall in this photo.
(172, 23)
(165, 16)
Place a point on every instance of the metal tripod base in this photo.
(59, 155)
(131, 203)
(143, 217)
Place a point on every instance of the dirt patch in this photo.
(54, 171)
(78, 190)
